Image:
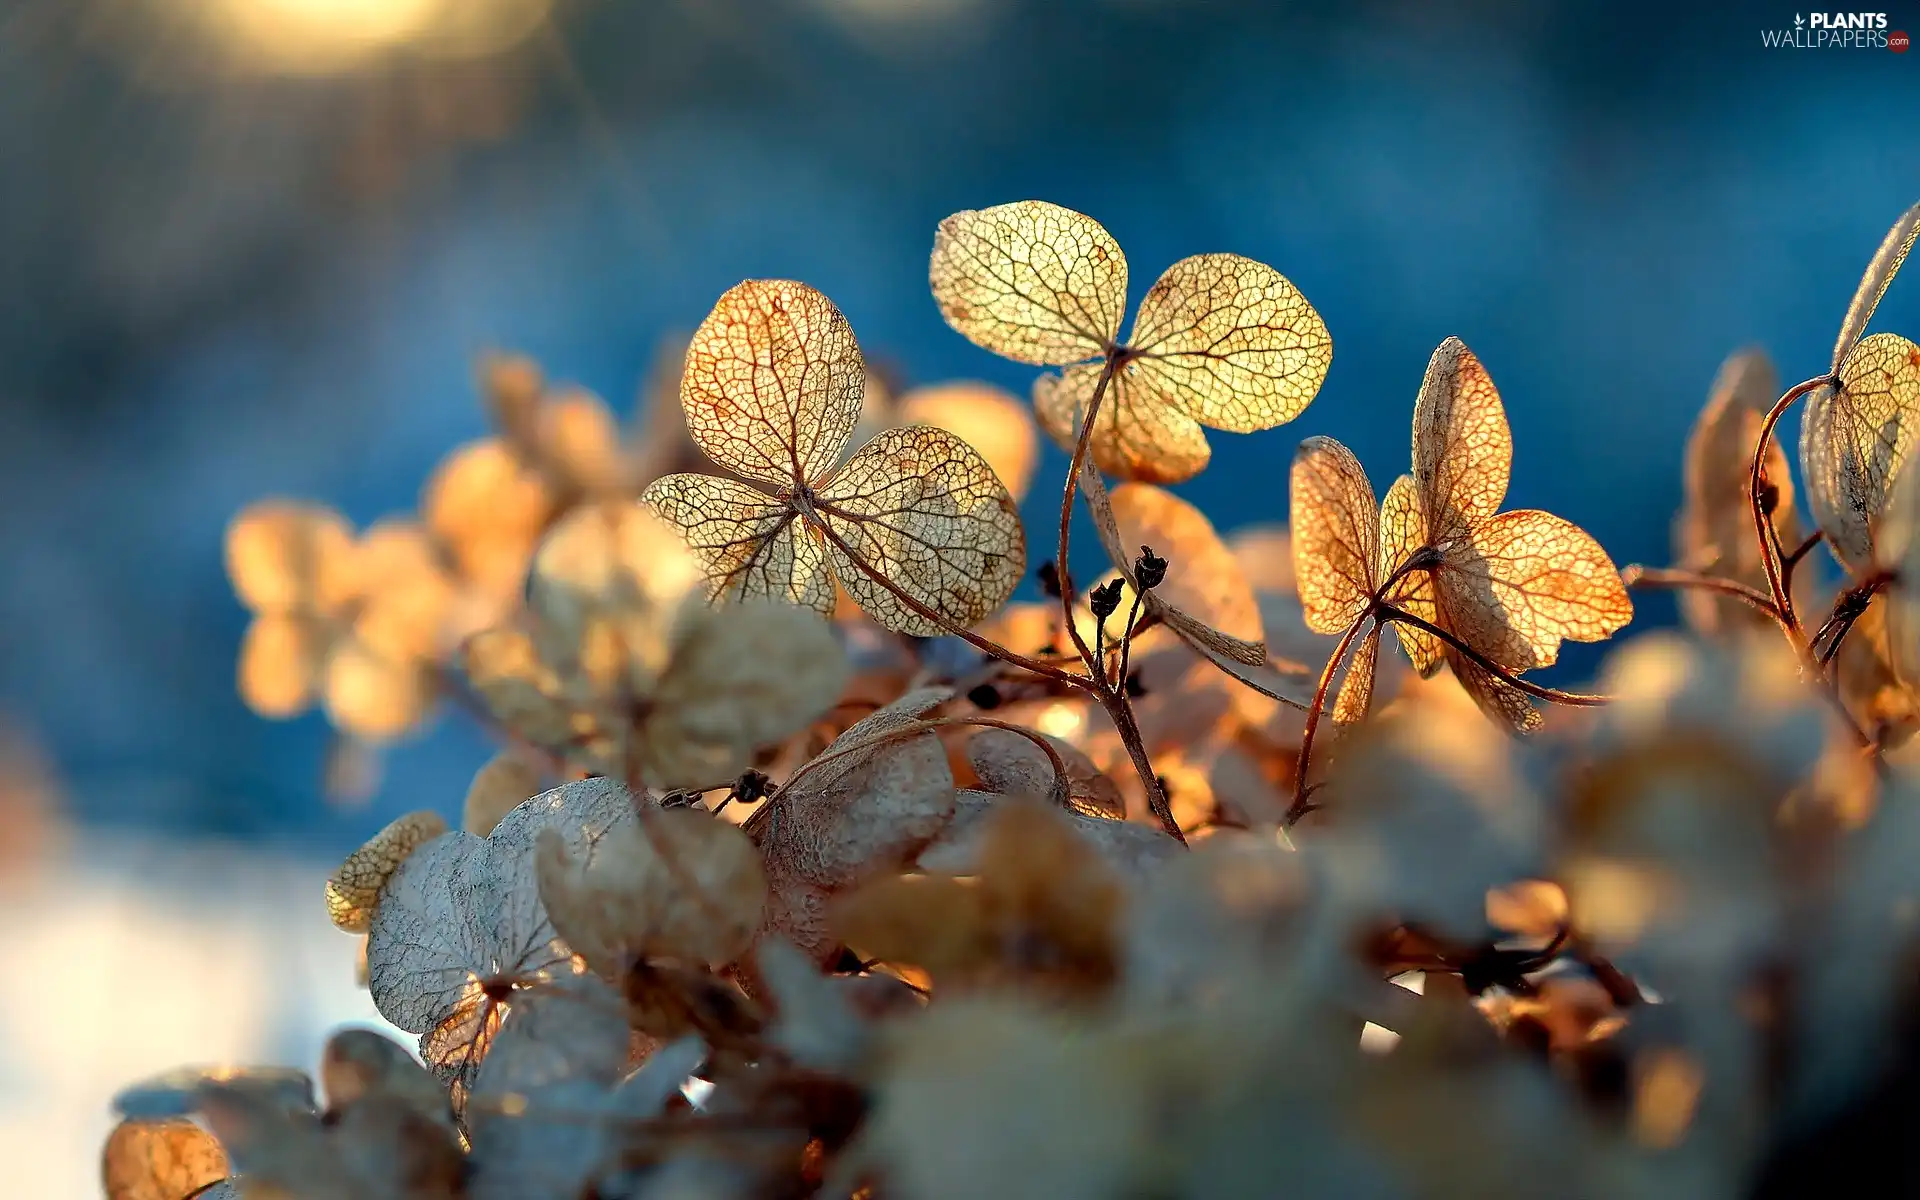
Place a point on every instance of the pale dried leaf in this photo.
(1032, 281)
(773, 382)
(680, 884)
(1857, 434)
(353, 891)
(985, 417)
(160, 1160)
(1499, 700)
(579, 439)
(1231, 342)
(1012, 765)
(750, 545)
(1875, 281)
(359, 1063)
(497, 789)
(373, 694)
(1136, 435)
(742, 678)
(922, 508)
(1336, 535)
(1462, 448)
(1714, 533)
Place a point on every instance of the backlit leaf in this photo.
(160, 1160)
(1231, 342)
(773, 382)
(1136, 434)
(1336, 535)
(1031, 281)
(280, 658)
(751, 546)
(1527, 580)
(353, 892)
(1462, 449)
(992, 421)
(1854, 439)
(923, 508)
(1874, 282)
(285, 556)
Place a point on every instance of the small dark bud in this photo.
(1135, 689)
(1150, 569)
(1049, 576)
(986, 696)
(1769, 497)
(1105, 600)
(751, 786)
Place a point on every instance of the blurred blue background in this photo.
(252, 262)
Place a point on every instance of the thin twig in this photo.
(1763, 527)
(1298, 808)
(1504, 674)
(1068, 492)
(1635, 575)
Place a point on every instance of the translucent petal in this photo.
(750, 545)
(488, 508)
(160, 1160)
(1874, 282)
(922, 508)
(1231, 342)
(1462, 449)
(1854, 439)
(1526, 580)
(580, 442)
(1336, 534)
(353, 891)
(279, 667)
(1714, 532)
(985, 417)
(1356, 690)
(1032, 281)
(773, 382)
(284, 556)
(1204, 582)
(1137, 434)
(1499, 700)
(1403, 531)
(1013, 765)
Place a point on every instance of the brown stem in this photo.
(1792, 559)
(1763, 528)
(1126, 638)
(1847, 609)
(1635, 575)
(1552, 695)
(1298, 808)
(1121, 714)
(1072, 489)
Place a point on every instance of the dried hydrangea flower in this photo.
(1714, 532)
(159, 1160)
(353, 892)
(865, 806)
(772, 392)
(681, 884)
(352, 623)
(1511, 585)
(1133, 850)
(461, 944)
(618, 668)
(488, 509)
(1219, 340)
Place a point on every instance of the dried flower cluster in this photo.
(811, 866)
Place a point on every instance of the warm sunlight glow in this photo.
(317, 37)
